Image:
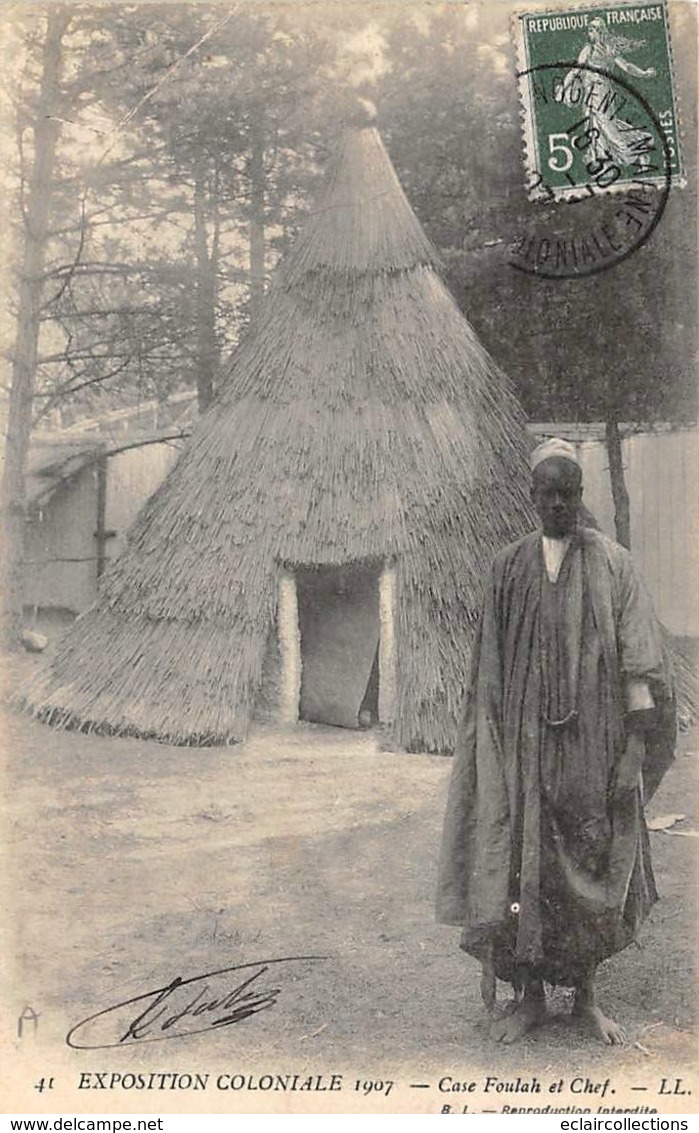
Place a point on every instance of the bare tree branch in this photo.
(67, 390)
(69, 275)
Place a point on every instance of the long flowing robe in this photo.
(545, 856)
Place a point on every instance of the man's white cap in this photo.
(554, 446)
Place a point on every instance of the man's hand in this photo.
(640, 721)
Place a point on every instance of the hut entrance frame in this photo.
(336, 636)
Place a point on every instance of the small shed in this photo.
(84, 489)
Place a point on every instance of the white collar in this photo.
(554, 553)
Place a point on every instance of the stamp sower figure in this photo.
(611, 136)
(568, 723)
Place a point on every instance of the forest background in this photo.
(159, 158)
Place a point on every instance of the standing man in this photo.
(568, 725)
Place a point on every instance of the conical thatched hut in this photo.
(321, 544)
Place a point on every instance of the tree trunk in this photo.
(257, 220)
(207, 347)
(31, 285)
(620, 495)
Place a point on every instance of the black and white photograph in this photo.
(350, 541)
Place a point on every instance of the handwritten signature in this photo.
(182, 1006)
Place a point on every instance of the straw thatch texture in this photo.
(361, 419)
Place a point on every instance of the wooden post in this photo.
(100, 531)
(289, 649)
(620, 495)
(387, 645)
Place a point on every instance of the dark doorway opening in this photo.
(339, 627)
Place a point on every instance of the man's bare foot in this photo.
(599, 1025)
(529, 1013)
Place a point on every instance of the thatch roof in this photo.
(360, 419)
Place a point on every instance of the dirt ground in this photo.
(132, 862)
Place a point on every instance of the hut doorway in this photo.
(338, 612)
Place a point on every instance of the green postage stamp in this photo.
(598, 103)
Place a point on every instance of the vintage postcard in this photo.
(349, 530)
